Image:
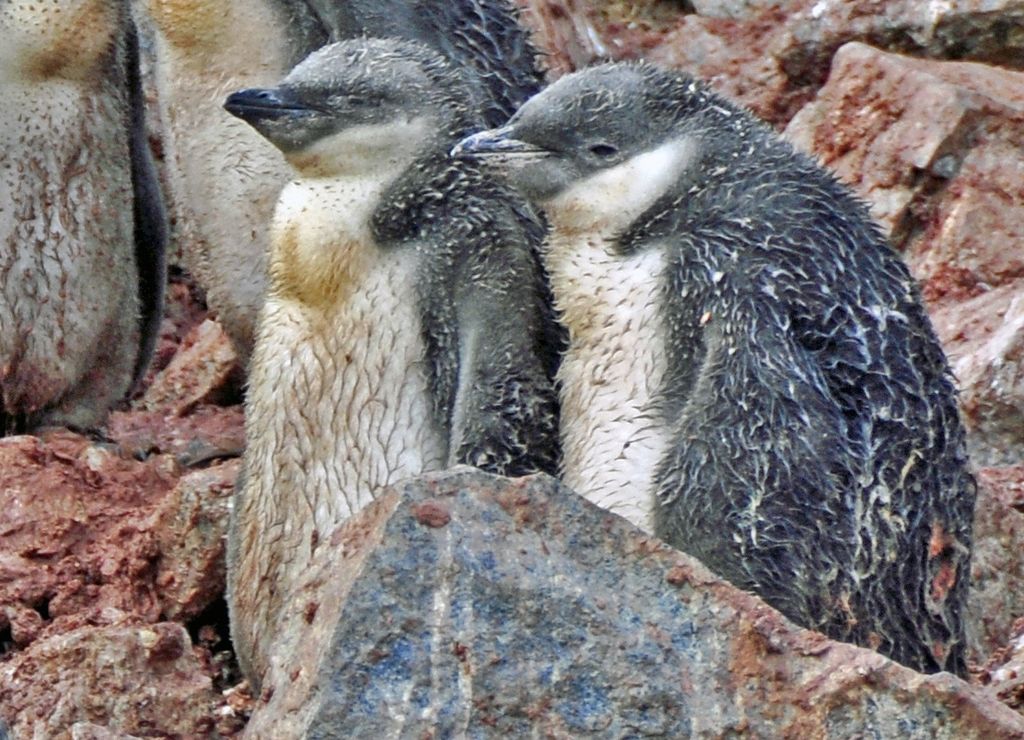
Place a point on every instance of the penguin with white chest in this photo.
(404, 327)
(224, 178)
(751, 374)
(81, 220)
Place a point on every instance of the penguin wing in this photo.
(759, 446)
(150, 218)
(504, 416)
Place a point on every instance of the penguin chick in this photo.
(482, 36)
(403, 327)
(751, 373)
(81, 221)
(224, 178)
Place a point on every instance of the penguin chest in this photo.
(68, 282)
(612, 434)
(340, 402)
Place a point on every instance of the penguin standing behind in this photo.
(224, 178)
(751, 373)
(81, 221)
(404, 326)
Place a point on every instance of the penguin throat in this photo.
(608, 202)
(321, 239)
(380, 150)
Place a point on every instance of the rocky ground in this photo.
(112, 621)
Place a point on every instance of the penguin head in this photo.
(608, 140)
(67, 40)
(358, 105)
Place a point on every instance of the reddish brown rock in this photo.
(1005, 673)
(982, 30)
(984, 337)
(76, 538)
(134, 679)
(739, 58)
(190, 526)
(997, 567)
(564, 33)
(937, 149)
(206, 432)
(184, 309)
(89, 731)
(204, 370)
(773, 56)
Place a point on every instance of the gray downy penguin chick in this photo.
(81, 220)
(404, 324)
(751, 373)
(482, 36)
(225, 178)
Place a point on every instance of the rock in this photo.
(773, 56)
(204, 433)
(76, 534)
(190, 527)
(997, 569)
(1005, 674)
(89, 731)
(984, 337)
(738, 9)
(133, 679)
(462, 604)
(205, 370)
(983, 30)
(184, 309)
(564, 32)
(937, 149)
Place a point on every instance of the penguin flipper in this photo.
(504, 416)
(150, 217)
(758, 430)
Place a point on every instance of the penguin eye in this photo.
(604, 150)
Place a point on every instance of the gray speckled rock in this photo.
(466, 605)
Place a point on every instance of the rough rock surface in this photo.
(937, 149)
(76, 543)
(202, 371)
(204, 433)
(462, 604)
(984, 338)
(1005, 673)
(98, 539)
(997, 569)
(772, 56)
(189, 526)
(140, 679)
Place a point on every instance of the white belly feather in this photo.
(612, 438)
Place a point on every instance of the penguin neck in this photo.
(610, 201)
(322, 237)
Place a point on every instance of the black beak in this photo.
(496, 142)
(259, 104)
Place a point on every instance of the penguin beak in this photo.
(497, 143)
(259, 104)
